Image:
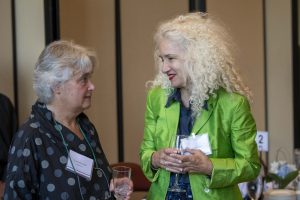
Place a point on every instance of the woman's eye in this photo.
(171, 58)
(84, 79)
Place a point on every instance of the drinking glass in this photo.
(297, 164)
(297, 158)
(175, 188)
(121, 180)
(255, 188)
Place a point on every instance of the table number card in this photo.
(262, 140)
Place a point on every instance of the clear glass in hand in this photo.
(121, 180)
(255, 188)
(175, 188)
(297, 158)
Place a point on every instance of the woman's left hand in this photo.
(196, 161)
(117, 188)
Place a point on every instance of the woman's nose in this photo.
(91, 85)
(165, 67)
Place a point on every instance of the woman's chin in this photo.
(86, 105)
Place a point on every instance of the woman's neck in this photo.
(185, 97)
(68, 119)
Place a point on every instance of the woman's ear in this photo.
(57, 89)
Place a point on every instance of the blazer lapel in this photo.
(172, 118)
(205, 115)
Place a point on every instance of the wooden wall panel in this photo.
(91, 23)
(6, 56)
(244, 20)
(279, 78)
(30, 38)
(139, 19)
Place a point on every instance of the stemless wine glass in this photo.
(297, 163)
(175, 188)
(121, 180)
(254, 188)
(297, 157)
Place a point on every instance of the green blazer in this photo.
(231, 129)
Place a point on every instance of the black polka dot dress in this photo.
(38, 158)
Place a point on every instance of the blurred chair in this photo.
(140, 182)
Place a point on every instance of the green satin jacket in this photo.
(231, 129)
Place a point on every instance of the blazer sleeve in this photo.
(245, 164)
(148, 144)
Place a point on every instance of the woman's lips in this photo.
(171, 76)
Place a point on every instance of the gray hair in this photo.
(58, 63)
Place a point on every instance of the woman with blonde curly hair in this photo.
(197, 92)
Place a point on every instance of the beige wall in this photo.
(6, 59)
(91, 23)
(246, 27)
(243, 19)
(139, 21)
(137, 57)
(30, 42)
(279, 76)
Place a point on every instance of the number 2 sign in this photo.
(262, 141)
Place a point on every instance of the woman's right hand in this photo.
(164, 158)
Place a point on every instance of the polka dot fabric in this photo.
(38, 158)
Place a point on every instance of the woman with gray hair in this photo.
(56, 154)
(198, 93)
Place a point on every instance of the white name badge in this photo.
(83, 165)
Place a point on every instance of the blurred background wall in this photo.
(261, 29)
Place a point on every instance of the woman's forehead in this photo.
(167, 46)
(84, 72)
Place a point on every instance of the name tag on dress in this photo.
(80, 164)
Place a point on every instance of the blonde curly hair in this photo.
(209, 61)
